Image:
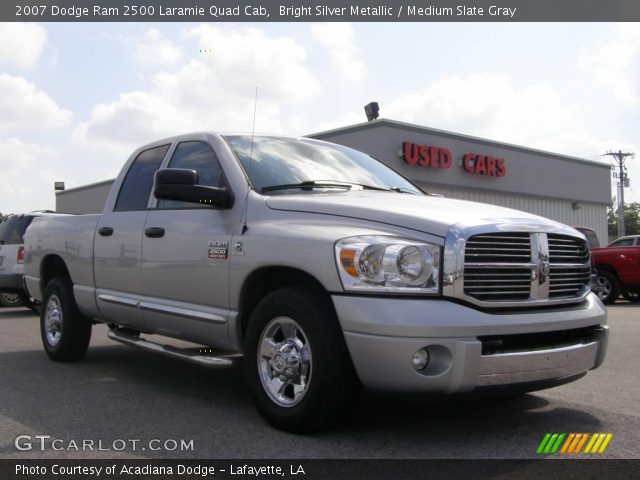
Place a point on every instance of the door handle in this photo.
(105, 231)
(154, 232)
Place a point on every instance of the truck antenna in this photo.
(253, 131)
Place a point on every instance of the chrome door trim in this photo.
(129, 302)
(182, 312)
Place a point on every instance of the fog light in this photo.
(420, 359)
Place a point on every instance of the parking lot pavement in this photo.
(119, 393)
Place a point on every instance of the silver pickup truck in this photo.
(321, 267)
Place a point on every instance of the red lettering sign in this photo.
(484, 165)
(426, 156)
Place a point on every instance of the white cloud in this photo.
(492, 106)
(212, 91)
(350, 118)
(26, 183)
(155, 49)
(339, 40)
(21, 43)
(615, 63)
(25, 107)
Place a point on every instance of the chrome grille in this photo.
(498, 248)
(507, 267)
(570, 266)
(489, 266)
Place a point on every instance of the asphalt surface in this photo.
(118, 394)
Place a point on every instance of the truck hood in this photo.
(429, 214)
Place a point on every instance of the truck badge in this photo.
(218, 250)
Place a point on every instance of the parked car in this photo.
(618, 269)
(12, 229)
(324, 268)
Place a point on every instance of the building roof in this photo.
(459, 136)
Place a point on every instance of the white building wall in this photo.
(592, 215)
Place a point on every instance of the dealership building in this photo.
(570, 190)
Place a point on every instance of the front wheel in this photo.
(606, 286)
(65, 331)
(297, 366)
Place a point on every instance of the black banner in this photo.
(316, 469)
(320, 11)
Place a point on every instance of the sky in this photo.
(76, 99)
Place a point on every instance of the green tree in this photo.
(631, 218)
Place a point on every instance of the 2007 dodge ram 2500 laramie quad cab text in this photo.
(324, 269)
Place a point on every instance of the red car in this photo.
(617, 269)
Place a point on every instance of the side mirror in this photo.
(182, 185)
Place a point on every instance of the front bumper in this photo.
(382, 335)
(11, 282)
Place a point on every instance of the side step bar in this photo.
(194, 355)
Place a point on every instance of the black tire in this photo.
(64, 330)
(12, 299)
(332, 382)
(606, 286)
(632, 295)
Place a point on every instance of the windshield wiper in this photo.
(308, 185)
(311, 184)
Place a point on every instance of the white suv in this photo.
(12, 230)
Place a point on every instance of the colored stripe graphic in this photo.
(568, 442)
(543, 443)
(581, 442)
(598, 443)
(572, 443)
(550, 443)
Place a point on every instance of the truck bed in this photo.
(69, 237)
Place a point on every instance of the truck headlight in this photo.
(388, 264)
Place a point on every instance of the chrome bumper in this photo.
(468, 348)
(533, 366)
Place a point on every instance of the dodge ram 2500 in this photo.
(325, 269)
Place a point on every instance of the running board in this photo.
(196, 355)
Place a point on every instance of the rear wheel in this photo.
(12, 299)
(65, 331)
(297, 366)
(606, 286)
(633, 295)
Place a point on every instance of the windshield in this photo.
(12, 229)
(279, 161)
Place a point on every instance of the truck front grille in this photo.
(522, 266)
(570, 266)
(491, 272)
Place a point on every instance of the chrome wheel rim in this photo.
(284, 361)
(603, 287)
(53, 320)
(11, 297)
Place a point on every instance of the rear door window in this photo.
(136, 187)
(12, 229)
